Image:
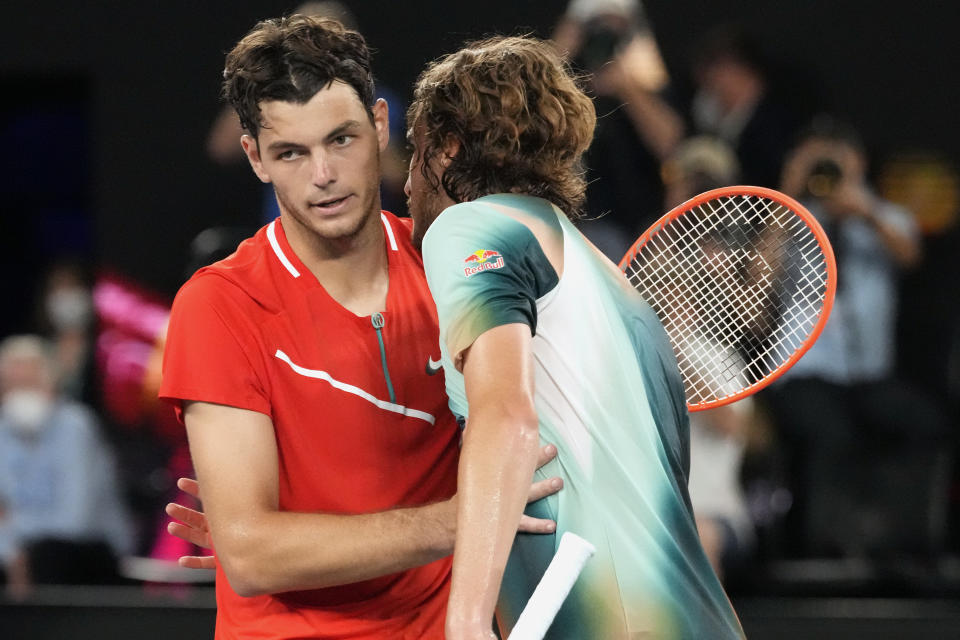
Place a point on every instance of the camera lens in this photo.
(824, 178)
(601, 43)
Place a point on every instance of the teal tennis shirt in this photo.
(609, 396)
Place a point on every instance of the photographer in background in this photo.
(864, 445)
(637, 128)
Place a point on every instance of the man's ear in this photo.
(381, 122)
(252, 149)
(451, 147)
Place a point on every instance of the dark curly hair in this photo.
(291, 59)
(520, 117)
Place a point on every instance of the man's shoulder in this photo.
(209, 288)
(462, 221)
(503, 218)
(242, 277)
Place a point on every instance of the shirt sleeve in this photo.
(211, 352)
(484, 269)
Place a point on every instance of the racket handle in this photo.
(572, 554)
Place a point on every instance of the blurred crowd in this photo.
(850, 455)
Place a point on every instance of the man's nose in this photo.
(323, 170)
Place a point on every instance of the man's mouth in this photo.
(331, 205)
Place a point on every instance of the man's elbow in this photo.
(244, 579)
(246, 566)
(522, 424)
(528, 429)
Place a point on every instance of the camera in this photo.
(601, 42)
(824, 178)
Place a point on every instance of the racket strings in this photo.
(738, 283)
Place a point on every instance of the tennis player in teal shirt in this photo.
(543, 338)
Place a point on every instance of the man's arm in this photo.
(193, 527)
(497, 461)
(638, 76)
(265, 550)
(857, 200)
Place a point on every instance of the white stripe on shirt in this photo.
(272, 237)
(386, 225)
(357, 391)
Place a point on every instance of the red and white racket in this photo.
(743, 280)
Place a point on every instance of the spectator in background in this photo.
(842, 396)
(698, 164)
(223, 141)
(734, 102)
(69, 321)
(61, 518)
(717, 436)
(637, 127)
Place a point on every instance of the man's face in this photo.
(322, 158)
(424, 201)
(728, 81)
(26, 392)
(23, 372)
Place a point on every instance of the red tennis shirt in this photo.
(361, 425)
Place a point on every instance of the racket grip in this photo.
(572, 554)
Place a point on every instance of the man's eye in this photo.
(289, 154)
(342, 141)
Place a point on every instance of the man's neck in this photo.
(352, 270)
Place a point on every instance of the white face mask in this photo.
(25, 410)
(70, 309)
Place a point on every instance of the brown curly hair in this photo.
(520, 118)
(291, 59)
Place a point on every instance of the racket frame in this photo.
(822, 241)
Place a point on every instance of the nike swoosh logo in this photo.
(433, 366)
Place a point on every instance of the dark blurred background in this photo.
(105, 120)
(108, 103)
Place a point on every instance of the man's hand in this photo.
(851, 199)
(193, 527)
(540, 490)
(636, 77)
(638, 67)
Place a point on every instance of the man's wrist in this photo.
(441, 522)
(467, 624)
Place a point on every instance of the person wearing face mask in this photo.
(69, 318)
(61, 517)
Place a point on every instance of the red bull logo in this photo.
(482, 260)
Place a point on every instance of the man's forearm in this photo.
(654, 121)
(285, 551)
(497, 462)
(904, 248)
(265, 550)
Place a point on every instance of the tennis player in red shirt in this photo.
(306, 368)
